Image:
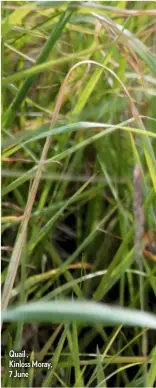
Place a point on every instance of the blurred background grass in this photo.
(82, 220)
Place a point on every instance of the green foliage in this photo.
(82, 75)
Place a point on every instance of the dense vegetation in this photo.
(78, 192)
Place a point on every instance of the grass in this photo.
(78, 261)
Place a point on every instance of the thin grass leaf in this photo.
(151, 378)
